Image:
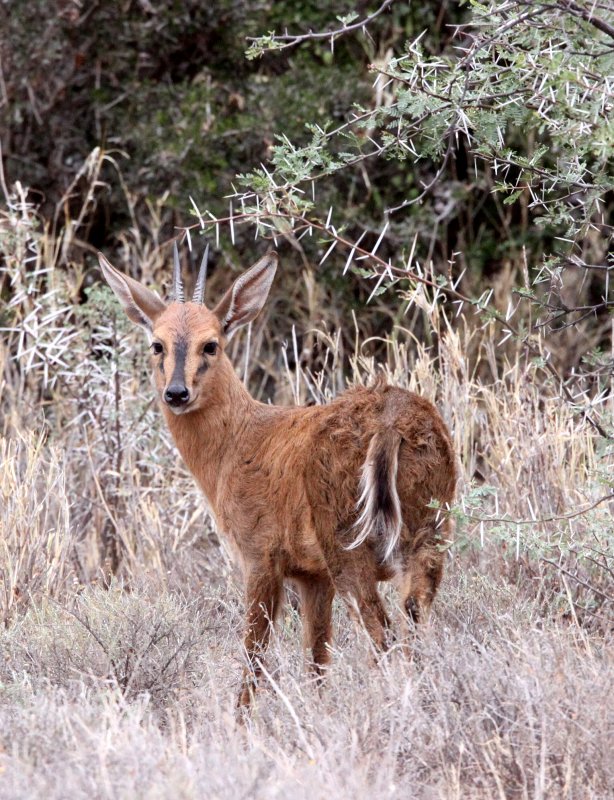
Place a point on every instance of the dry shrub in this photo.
(134, 642)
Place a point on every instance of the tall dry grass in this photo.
(121, 611)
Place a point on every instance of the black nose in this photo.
(176, 395)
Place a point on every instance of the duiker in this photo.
(333, 498)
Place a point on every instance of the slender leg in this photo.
(317, 593)
(356, 582)
(420, 583)
(367, 608)
(262, 602)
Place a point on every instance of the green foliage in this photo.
(529, 101)
(173, 93)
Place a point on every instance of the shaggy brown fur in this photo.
(334, 498)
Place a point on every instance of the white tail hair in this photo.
(379, 507)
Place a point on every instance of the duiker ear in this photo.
(244, 300)
(140, 304)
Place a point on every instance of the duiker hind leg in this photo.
(374, 618)
(356, 581)
(367, 608)
(420, 581)
(317, 593)
(263, 598)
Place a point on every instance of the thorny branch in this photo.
(302, 224)
(451, 92)
(607, 597)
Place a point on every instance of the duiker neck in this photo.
(210, 437)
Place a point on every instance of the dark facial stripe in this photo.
(180, 351)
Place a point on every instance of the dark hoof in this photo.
(412, 610)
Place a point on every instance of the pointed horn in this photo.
(177, 284)
(199, 289)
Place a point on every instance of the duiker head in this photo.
(187, 339)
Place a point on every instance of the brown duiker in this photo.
(333, 498)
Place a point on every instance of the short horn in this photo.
(177, 283)
(199, 288)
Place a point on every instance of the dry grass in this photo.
(122, 616)
(497, 702)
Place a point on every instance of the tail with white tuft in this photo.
(379, 506)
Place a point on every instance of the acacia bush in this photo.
(501, 144)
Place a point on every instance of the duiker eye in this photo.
(156, 348)
(210, 349)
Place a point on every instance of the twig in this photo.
(578, 11)
(3, 186)
(290, 40)
(427, 187)
(541, 520)
(578, 580)
(594, 561)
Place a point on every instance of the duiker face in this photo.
(187, 347)
(188, 339)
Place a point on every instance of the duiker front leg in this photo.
(263, 596)
(317, 593)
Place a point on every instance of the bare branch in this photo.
(290, 40)
(541, 520)
(607, 597)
